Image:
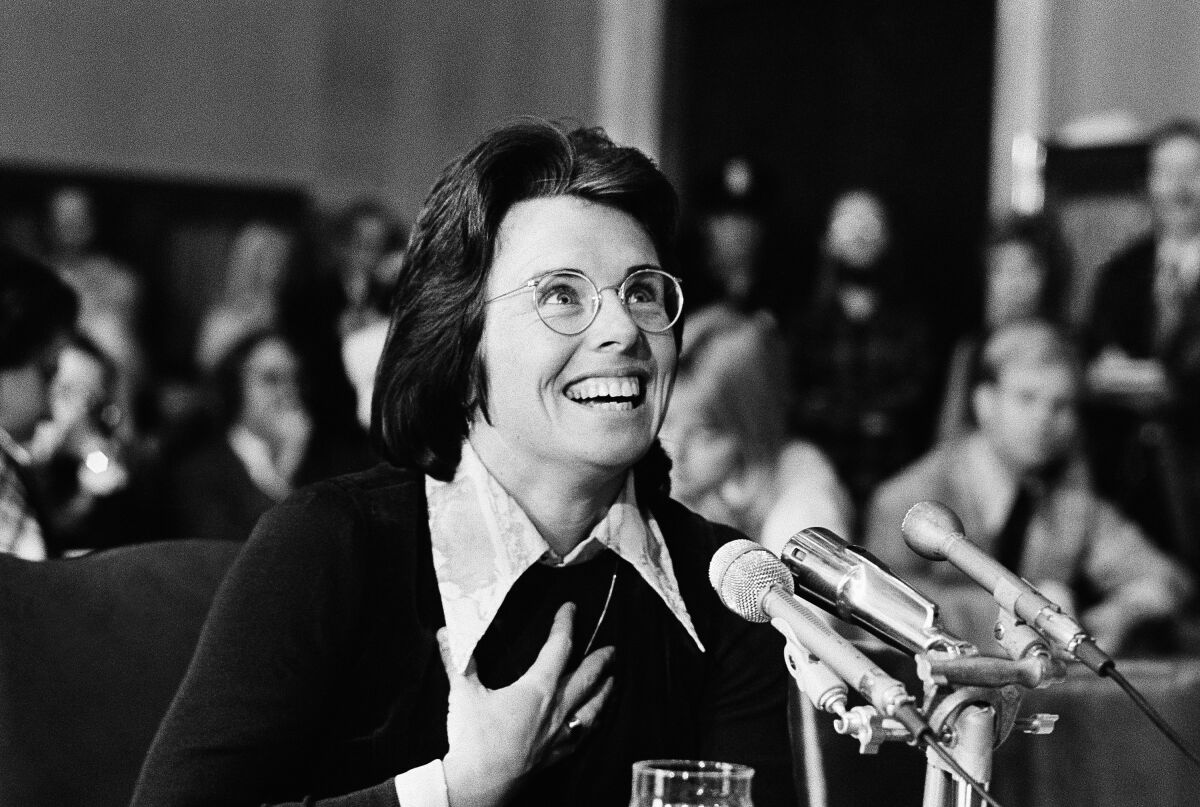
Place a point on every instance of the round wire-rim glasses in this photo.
(567, 301)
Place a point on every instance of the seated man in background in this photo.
(1025, 498)
(37, 313)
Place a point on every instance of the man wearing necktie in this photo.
(1143, 343)
(37, 312)
(1024, 497)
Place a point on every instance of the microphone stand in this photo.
(970, 703)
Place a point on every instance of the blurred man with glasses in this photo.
(1024, 496)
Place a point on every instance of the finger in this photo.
(588, 712)
(579, 724)
(586, 679)
(552, 658)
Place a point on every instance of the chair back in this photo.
(91, 652)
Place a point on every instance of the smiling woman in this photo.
(521, 532)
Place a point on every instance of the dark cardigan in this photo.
(317, 676)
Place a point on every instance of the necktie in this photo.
(1010, 544)
(1169, 291)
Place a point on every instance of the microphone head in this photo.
(928, 527)
(742, 571)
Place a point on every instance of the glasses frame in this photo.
(597, 300)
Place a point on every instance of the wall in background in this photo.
(1138, 56)
(1090, 69)
(344, 98)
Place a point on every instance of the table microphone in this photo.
(934, 532)
(850, 582)
(756, 586)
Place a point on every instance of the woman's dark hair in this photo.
(228, 376)
(430, 377)
(35, 307)
(1041, 235)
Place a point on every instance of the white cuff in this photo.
(423, 787)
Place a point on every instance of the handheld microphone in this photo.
(756, 586)
(850, 582)
(934, 532)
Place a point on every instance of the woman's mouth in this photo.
(607, 392)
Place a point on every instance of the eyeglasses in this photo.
(567, 300)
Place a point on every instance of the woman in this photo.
(249, 301)
(733, 460)
(1020, 274)
(860, 353)
(523, 522)
(95, 471)
(268, 444)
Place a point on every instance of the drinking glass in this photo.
(690, 783)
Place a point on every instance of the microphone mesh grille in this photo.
(741, 571)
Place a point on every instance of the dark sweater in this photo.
(317, 675)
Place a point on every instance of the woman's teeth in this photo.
(619, 392)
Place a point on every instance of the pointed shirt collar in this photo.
(483, 541)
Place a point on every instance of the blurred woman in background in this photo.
(861, 354)
(727, 434)
(250, 295)
(99, 477)
(1021, 281)
(268, 444)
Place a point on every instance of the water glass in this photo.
(690, 783)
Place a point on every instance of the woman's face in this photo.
(594, 400)
(703, 455)
(270, 387)
(79, 387)
(858, 232)
(1015, 281)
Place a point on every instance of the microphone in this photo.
(756, 586)
(934, 532)
(850, 582)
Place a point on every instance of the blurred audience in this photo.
(367, 245)
(1144, 344)
(110, 293)
(37, 314)
(727, 434)
(98, 476)
(1024, 499)
(369, 252)
(269, 443)
(862, 366)
(251, 294)
(1022, 279)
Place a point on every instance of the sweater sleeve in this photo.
(246, 724)
(745, 716)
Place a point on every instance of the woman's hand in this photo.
(498, 736)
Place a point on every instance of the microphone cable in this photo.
(922, 734)
(1111, 671)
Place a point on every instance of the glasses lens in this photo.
(565, 301)
(653, 298)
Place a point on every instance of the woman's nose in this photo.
(614, 323)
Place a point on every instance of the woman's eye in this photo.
(644, 291)
(559, 294)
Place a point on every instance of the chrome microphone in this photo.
(753, 584)
(933, 531)
(850, 582)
